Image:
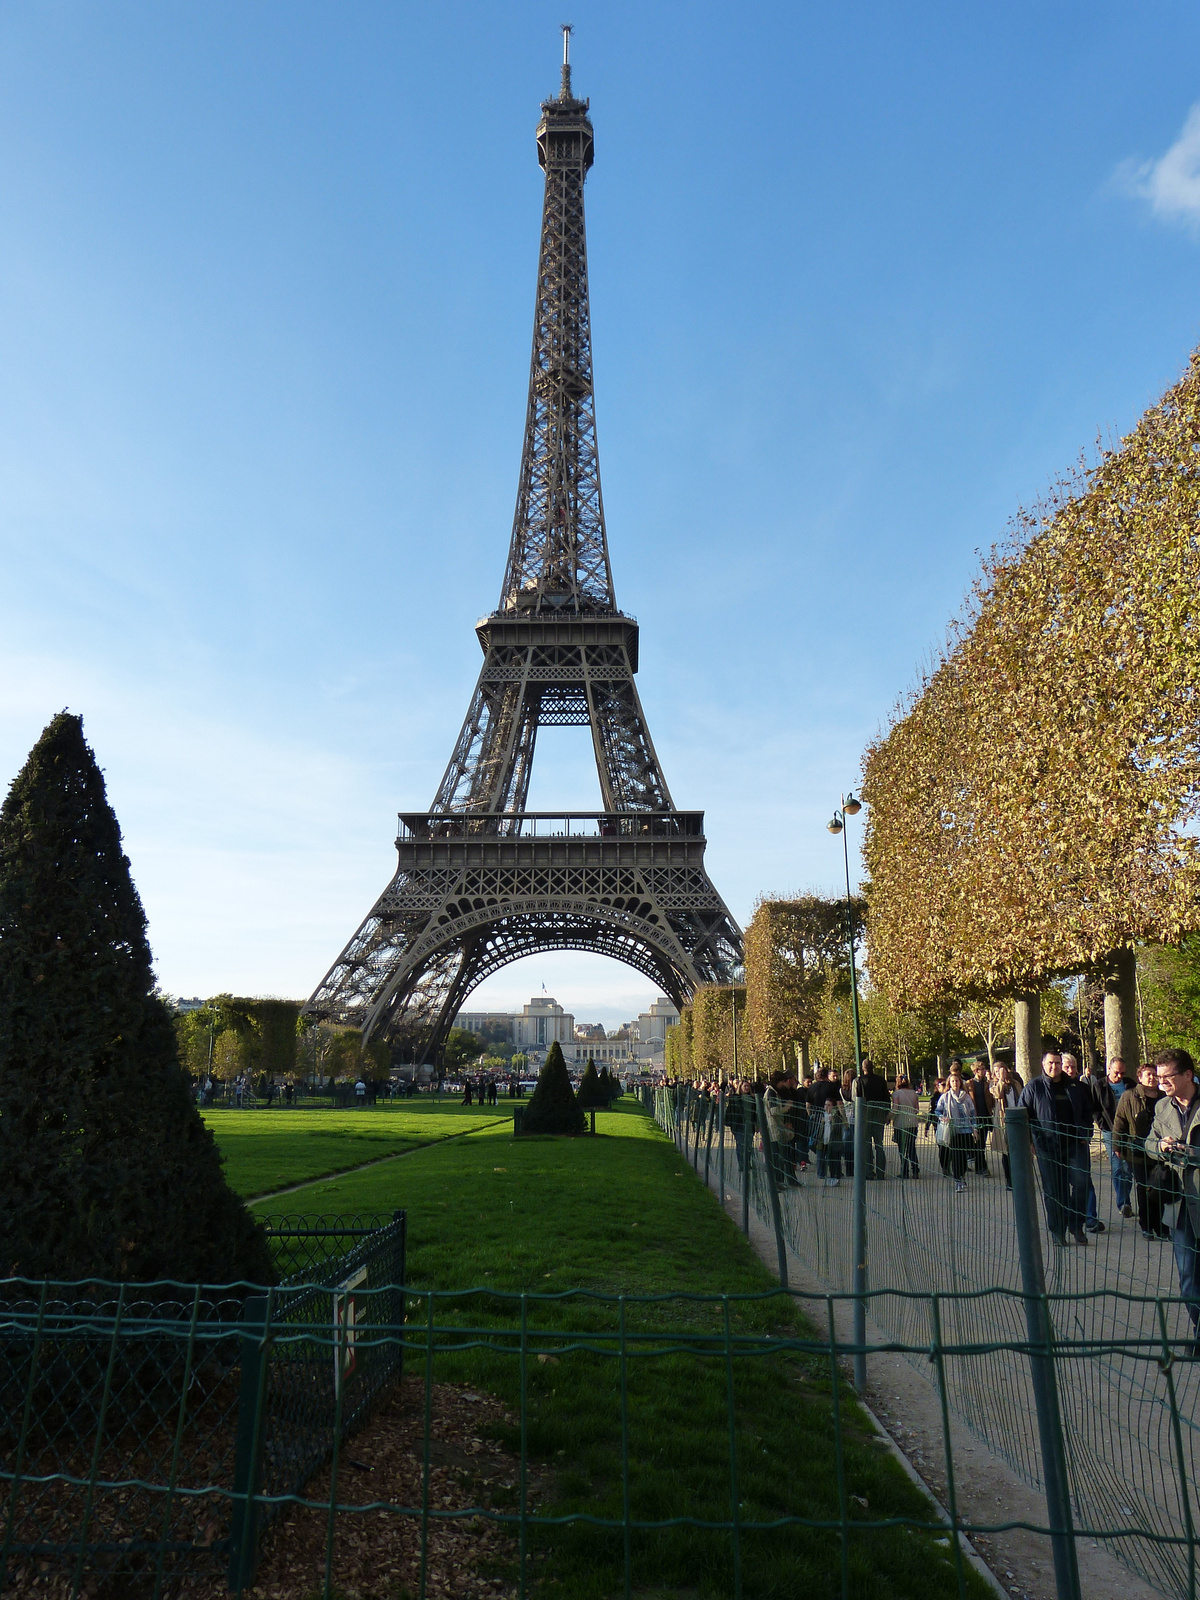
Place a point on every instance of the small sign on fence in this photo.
(345, 1312)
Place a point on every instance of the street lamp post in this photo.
(850, 807)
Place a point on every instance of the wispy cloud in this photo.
(1172, 183)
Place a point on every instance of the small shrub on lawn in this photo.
(553, 1107)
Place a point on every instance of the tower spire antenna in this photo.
(567, 30)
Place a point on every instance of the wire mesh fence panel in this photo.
(119, 1391)
(305, 1249)
(679, 1417)
(131, 1417)
(1129, 1425)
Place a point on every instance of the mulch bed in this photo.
(377, 1554)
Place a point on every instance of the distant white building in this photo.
(652, 1025)
(640, 1043)
(543, 1020)
(611, 1051)
(536, 1027)
(486, 1022)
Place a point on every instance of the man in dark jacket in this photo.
(1060, 1120)
(872, 1090)
(826, 1086)
(1081, 1091)
(1174, 1137)
(740, 1118)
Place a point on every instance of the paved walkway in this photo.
(925, 1238)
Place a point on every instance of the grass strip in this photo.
(622, 1214)
(265, 1150)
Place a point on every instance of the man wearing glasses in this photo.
(1175, 1138)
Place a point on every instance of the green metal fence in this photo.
(159, 1439)
(1130, 1442)
(710, 1352)
(136, 1420)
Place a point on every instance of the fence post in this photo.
(721, 1145)
(747, 1152)
(858, 1231)
(708, 1136)
(772, 1187)
(400, 1219)
(1041, 1365)
(243, 1532)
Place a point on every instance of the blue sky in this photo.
(864, 279)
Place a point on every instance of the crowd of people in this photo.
(1147, 1118)
(484, 1089)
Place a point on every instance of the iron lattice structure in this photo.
(481, 881)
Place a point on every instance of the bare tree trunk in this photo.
(1120, 1008)
(1027, 1009)
(1087, 1023)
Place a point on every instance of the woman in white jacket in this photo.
(956, 1127)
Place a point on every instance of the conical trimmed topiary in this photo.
(609, 1086)
(552, 1106)
(591, 1094)
(106, 1167)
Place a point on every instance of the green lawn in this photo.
(623, 1214)
(267, 1150)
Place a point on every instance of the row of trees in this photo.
(795, 1005)
(1032, 808)
(231, 1036)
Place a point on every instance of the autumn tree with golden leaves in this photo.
(797, 951)
(1032, 808)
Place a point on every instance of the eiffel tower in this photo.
(481, 881)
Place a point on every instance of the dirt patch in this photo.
(377, 1554)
